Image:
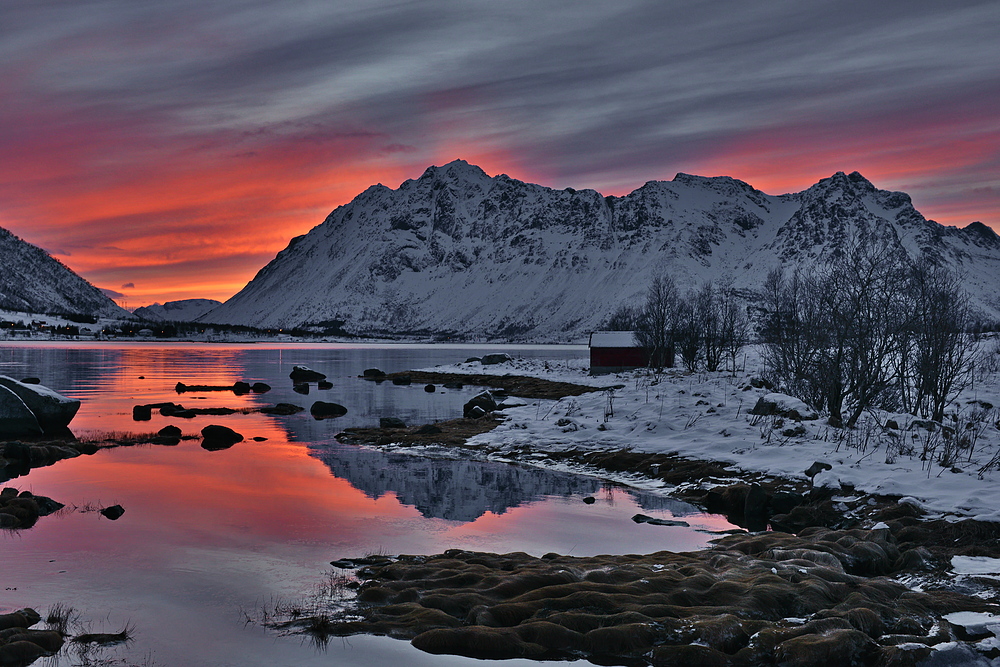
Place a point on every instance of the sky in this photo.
(169, 150)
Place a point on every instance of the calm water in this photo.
(209, 535)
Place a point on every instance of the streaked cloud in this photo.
(153, 140)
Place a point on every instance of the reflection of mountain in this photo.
(453, 490)
(465, 490)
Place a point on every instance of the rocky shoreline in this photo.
(842, 576)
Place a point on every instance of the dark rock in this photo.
(305, 374)
(816, 468)
(484, 402)
(324, 410)
(31, 380)
(590, 500)
(282, 409)
(169, 431)
(260, 388)
(429, 429)
(761, 383)
(783, 405)
(402, 380)
(241, 388)
(216, 437)
(20, 653)
(259, 438)
(113, 513)
(642, 518)
(15, 417)
(323, 384)
(372, 373)
(429, 388)
(755, 508)
(783, 502)
(892, 424)
(471, 360)
(688, 655)
(453, 385)
(836, 647)
(23, 618)
(794, 431)
(491, 359)
(391, 422)
(300, 388)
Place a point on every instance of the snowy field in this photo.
(705, 416)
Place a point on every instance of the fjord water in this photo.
(211, 536)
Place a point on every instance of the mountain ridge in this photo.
(458, 251)
(34, 281)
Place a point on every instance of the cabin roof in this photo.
(613, 339)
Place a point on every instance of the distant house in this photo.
(614, 351)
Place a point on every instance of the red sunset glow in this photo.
(179, 150)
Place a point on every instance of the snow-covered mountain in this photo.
(459, 251)
(186, 310)
(33, 281)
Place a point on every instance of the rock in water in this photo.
(52, 410)
(305, 374)
(217, 437)
(324, 410)
(15, 417)
(113, 513)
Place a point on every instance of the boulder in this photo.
(324, 384)
(391, 422)
(373, 373)
(260, 387)
(305, 374)
(31, 380)
(142, 413)
(783, 405)
(429, 429)
(324, 410)
(429, 388)
(301, 387)
(241, 387)
(52, 410)
(216, 437)
(15, 417)
(402, 380)
(169, 431)
(113, 513)
(491, 359)
(479, 405)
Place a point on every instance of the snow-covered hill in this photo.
(186, 310)
(459, 251)
(33, 281)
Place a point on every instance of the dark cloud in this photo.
(128, 286)
(103, 93)
(111, 293)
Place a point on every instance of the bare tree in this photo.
(734, 324)
(943, 353)
(657, 322)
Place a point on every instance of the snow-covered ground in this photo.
(705, 416)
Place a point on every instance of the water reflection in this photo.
(464, 490)
(206, 533)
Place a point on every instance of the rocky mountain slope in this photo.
(33, 281)
(459, 251)
(186, 310)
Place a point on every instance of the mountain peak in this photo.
(853, 182)
(456, 170)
